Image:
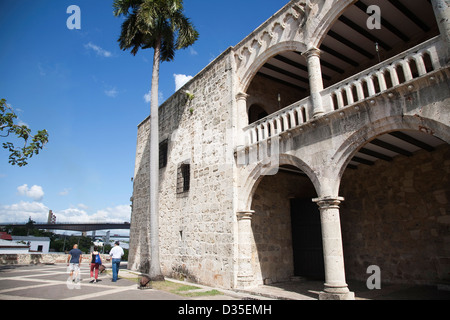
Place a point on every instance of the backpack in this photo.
(98, 260)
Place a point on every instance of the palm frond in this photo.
(124, 7)
(155, 21)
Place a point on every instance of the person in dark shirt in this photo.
(74, 261)
(95, 264)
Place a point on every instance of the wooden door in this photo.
(307, 239)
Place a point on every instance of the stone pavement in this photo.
(49, 282)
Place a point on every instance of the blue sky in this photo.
(90, 96)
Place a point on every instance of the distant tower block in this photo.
(51, 218)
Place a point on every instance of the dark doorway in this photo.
(307, 239)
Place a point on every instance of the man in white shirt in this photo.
(116, 254)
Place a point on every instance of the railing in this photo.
(278, 122)
(413, 63)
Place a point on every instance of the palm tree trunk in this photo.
(155, 273)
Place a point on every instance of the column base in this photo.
(336, 296)
(336, 292)
(318, 114)
(244, 282)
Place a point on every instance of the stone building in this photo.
(315, 147)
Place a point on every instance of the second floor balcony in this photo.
(400, 70)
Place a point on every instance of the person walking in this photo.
(96, 261)
(116, 254)
(74, 262)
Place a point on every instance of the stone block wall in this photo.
(196, 227)
(397, 215)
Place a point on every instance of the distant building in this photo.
(36, 244)
(5, 236)
(51, 218)
(12, 247)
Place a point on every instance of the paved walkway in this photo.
(45, 282)
(50, 282)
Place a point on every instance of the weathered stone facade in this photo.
(397, 217)
(196, 227)
(225, 216)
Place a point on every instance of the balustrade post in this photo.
(340, 99)
(394, 76)
(406, 70)
(420, 64)
(315, 80)
(359, 90)
(278, 122)
(285, 122)
(381, 81)
(260, 133)
(370, 86)
(349, 94)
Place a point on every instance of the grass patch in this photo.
(182, 289)
(213, 292)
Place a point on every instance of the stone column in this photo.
(315, 80)
(242, 117)
(245, 238)
(442, 12)
(335, 284)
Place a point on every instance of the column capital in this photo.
(328, 202)
(242, 96)
(312, 52)
(245, 215)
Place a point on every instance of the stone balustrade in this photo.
(405, 67)
(278, 122)
(398, 70)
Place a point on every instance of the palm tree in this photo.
(161, 25)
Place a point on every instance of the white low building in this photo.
(12, 247)
(36, 244)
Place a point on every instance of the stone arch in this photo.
(366, 220)
(260, 171)
(298, 27)
(322, 23)
(370, 131)
(256, 112)
(249, 73)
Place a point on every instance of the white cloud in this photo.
(20, 212)
(65, 192)
(192, 51)
(116, 214)
(148, 97)
(37, 211)
(100, 52)
(111, 93)
(181, 80)
(83, 206)
(35, 192)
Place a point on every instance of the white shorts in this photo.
(74, 267)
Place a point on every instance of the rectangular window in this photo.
(183, 178)
(163, 148)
